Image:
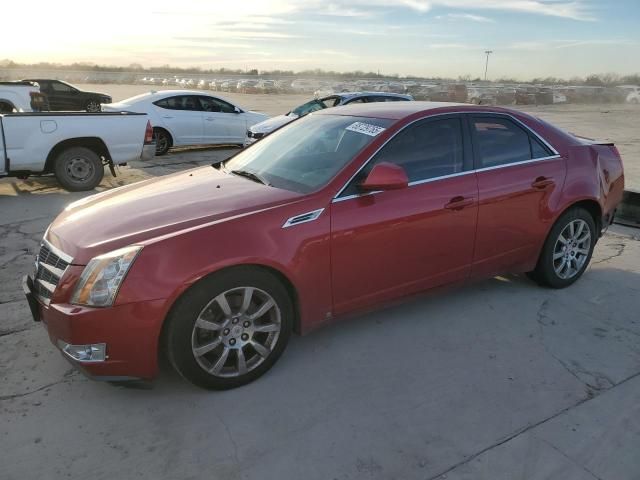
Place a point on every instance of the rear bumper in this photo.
(130, 333)
(148, 151)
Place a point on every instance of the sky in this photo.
(446, 38)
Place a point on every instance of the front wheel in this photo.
(78, 169)
(230, 328)
(567, 250)
(93, 106)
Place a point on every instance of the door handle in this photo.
(458, 203)
(167, 116)
(541, 183)
(210, 119)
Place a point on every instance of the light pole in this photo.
(486, 65)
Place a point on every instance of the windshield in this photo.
(304, 155)
(312, 106)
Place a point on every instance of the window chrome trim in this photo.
(556, 154)
(312, 216)
(523, 162)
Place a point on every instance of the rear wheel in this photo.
(79, 169)
(163, 141)
(230, 328)
(567, 250)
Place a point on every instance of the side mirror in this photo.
(385, 176)
(236, 110)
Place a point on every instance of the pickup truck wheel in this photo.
(567, 250)
(93, 106)
(230, 328)
(163, 141)
(78, 169)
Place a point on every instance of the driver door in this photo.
(397, 242)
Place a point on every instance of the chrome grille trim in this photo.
(51, 263)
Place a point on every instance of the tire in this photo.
(163, 141)
(569, 264)
(93, 106)
(217, 350)
(78, 169)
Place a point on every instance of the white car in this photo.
(184, 117)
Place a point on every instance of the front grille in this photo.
(50, 266)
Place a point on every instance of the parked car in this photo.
(259, 130)
(75, 147)
(183, 117)
(631, 93)
(340, 211)
(64, 96)
(21, 97)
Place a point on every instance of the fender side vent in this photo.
(303, 218)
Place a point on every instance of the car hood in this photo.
(159, 206)
(270, 125)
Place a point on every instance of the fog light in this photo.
(96, 352)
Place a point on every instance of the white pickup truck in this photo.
(22, 96)
(75, 147)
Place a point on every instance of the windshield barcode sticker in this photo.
(366, 128)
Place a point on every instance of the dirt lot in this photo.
(496, 380)
(611, 123)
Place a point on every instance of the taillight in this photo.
(148, 134)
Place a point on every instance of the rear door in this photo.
(397, 242)
(222, 123)
(519, 177)
(182, 116)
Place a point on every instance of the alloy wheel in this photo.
(571, 249)
(236, 332)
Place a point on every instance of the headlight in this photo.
(101, 279)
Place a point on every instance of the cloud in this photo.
(465, 16)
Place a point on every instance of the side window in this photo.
(44, 85)
(180, 102)
(538, 150)
(356, 100)
(385, 99)
(60, 87)
(211, 104)
(500, 142)
(429, 149)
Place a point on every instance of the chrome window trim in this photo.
(556, 154)
(513, 164)
(313, 215)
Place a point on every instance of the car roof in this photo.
(401, 110)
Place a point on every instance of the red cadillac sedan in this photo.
(336, 212)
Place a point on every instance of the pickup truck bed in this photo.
(72, 145)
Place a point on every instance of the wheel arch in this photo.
(590, 205)
(96, 144)
(167, 131)
(281, 276)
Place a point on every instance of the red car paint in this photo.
(358, 253)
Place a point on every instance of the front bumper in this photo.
(130, 334)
